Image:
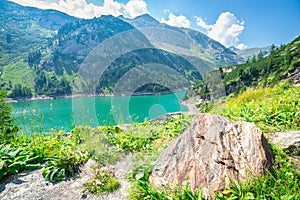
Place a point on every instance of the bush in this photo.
(103, 182)
(7, 127)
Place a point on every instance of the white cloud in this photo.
(241, 46)
(226, 30)
(202, 23)
(179, 21)
(135, 8)
(80, 8)
(110, 7)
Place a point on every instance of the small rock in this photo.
(212, 151)
(286, 140)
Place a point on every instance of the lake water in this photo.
(66, 113)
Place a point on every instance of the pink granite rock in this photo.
(210, 152)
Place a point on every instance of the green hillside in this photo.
(24, 36)
(283, 63)
(24, 29)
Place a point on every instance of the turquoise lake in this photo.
(66, 113)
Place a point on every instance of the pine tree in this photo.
(259, 56)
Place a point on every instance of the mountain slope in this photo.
(282, 63)
(119, 48)
(201, 45)
(48, 19)
(24, 35)
(26, 29)
(250, 52)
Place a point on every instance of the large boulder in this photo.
(210, 153)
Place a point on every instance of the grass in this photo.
(282, 182)
(60, 155)
(103, 182)
(18, 73)
(272, 109)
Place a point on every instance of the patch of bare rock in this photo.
(286, 140)
(31, 185)
(290, 142)
(210, 152)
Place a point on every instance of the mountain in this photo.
(119, 48)
(204, 47)
(25, 32)
(48, 19)
(282, 64)
(143, 21)
(26, 28)
(248, 53)
(46, 52)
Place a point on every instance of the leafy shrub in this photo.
(141, 189)
(16, 159)
(103, 182)
(136, 138)
(65, 163)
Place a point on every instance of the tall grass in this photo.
(271, 109)
(282, 182)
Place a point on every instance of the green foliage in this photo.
(98, 143)
(58, 168)
(283, 182)
(148, 136)
(264, 71)
(34, 58)
(137, 138)
(7, 127)
(271, 109)
(64, 162)
(259, 56)
(258, 71)
(20, 91)
(141, 189)
(103, 182)
(51, 84)
(14, 159)
(62, 155)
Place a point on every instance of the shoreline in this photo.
(44, 97)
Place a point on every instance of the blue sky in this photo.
(239, 23)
